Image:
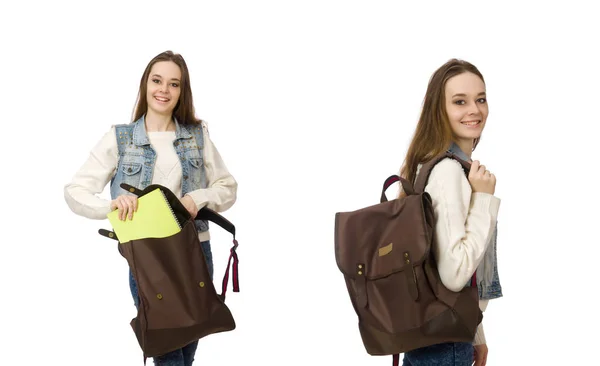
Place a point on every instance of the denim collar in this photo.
(456, 150)
(140, 137)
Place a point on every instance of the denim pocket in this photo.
(196, 167)
(132, 172)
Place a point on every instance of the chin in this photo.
(161, 109)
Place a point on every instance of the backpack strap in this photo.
(396, 360)
(213, 216)
(423, 176)
(426, 168)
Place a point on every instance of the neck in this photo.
(158, 122)
(466, 146)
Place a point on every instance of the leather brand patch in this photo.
(386, 250)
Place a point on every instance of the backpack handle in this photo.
(406, 186)
(212, 216)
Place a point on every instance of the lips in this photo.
(162, 99)
(471, 123)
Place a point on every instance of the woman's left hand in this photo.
(189, 205)
(481, 352)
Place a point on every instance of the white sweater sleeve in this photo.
(464, 223)
(91, 179)
(222, 187)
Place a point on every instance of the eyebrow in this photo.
(464, 95)
(158, 76)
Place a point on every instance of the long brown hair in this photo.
(184, 110)
(433, 134)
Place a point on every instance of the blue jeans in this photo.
(183, 356)
(179, 357)
(445, 354)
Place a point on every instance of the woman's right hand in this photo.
(126, 204)
(481, 180)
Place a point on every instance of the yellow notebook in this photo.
(154, 218)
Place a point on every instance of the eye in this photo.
(459, 102)
(482, 100)
(175, 85)
(156, 81)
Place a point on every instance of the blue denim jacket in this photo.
(488, 280)
(136, 167)
(137, 158)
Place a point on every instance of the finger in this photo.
(119, 205)
(192, 210)
(474, 168)
(130, 208)
(135, 204)
(481, 168)
(124, 208)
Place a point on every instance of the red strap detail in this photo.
(391, 180)
(235, 280)
(474, 280)
(396, 360)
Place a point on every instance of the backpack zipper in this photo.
(414, 275)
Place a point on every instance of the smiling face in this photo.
(163, 87)
(466, 108)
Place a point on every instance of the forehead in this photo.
(166, 69)
(465, 83)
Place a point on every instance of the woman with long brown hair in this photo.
(164, 144)
(454, 115)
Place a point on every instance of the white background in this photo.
(312, 105)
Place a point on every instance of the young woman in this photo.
(164, 144)
(454, 114)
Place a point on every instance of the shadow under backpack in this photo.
(178, 301)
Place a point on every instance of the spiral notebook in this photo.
(154, 218)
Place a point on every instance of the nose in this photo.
(474, 109)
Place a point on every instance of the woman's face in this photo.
(466, 106)
(163, 87)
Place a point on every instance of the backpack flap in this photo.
(379, 240)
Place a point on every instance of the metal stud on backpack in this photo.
(384, 253)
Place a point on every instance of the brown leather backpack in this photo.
(384, 252)
(178, 301)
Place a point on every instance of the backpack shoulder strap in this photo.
(425, 170)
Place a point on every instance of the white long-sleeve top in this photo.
(464, 225)
(81, 194)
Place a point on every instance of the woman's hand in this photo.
(481, 180)
(481, 352)
(126, 204)
(189, 205)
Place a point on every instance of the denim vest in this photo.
(488, 281)
(137, 158)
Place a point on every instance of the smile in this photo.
(162, 99)
(471, 123)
